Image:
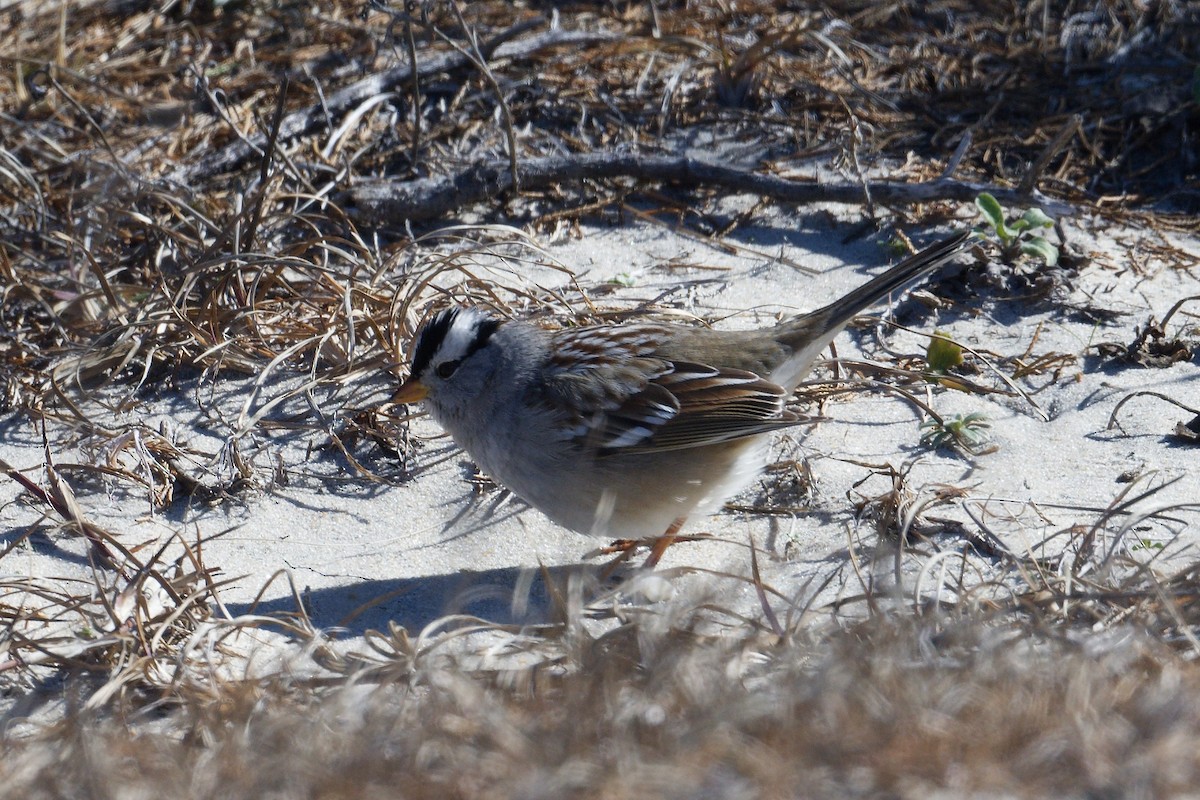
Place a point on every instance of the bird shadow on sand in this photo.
(508, 596)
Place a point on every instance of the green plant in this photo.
(896, 247)
(965, 433)
(943, 354)
(1020, 237)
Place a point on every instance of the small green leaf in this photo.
(1037, 218)
(1038, 246)
(992, 212)
(942, 354)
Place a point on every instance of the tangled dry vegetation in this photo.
(191, 190)
(885, 709)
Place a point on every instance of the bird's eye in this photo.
(447, 368)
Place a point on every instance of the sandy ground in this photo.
(425, 540)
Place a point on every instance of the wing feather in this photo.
(624, 399)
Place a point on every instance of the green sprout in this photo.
(964, 433)
(895, 247)
(941, 357)
(943, 354)
(1020, 237)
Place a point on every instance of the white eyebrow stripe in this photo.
(460, 336)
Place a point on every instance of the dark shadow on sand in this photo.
(509, 596)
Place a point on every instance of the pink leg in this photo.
(662, 543)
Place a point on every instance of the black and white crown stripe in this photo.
(452, 335)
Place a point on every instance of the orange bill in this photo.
(410, 391)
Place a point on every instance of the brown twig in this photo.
(477, 57)
(264, 170)
(1056, 145)
(430, 198)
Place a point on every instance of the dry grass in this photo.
(993, 673)
(170, 216)
(894, 707)
(125, 241)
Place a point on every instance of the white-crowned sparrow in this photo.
(626, 430)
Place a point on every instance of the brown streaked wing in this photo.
(605, 376)
(623, 399)
(716, 405)
(704, 390)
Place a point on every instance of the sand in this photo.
(425, 538)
